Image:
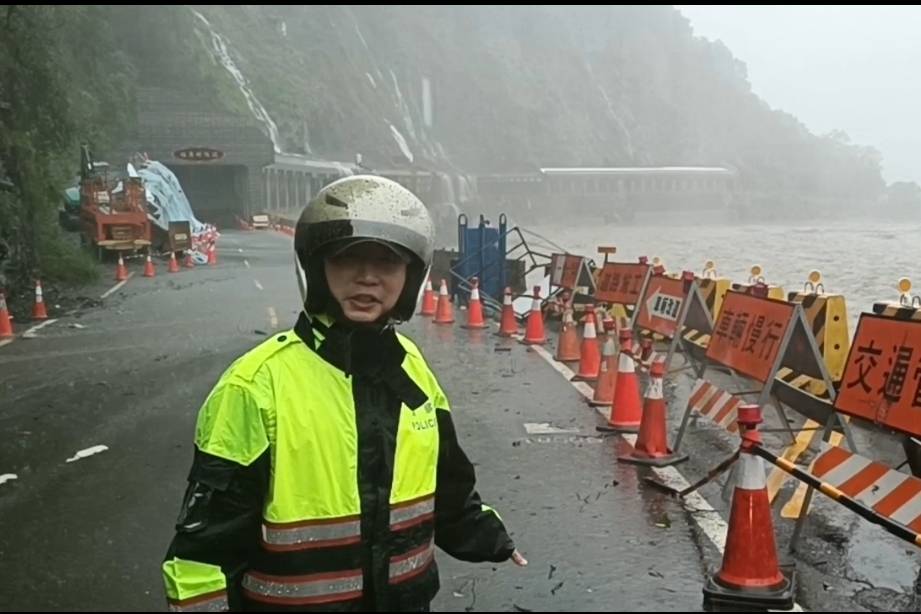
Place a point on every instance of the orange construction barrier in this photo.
(750, 574)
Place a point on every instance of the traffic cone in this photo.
(651, 446)
(590, 355)
(567, 349)
(6, 329)
(534, 331)
(173, 263)
(38, 310)
(509, 325)
(608, 322)
(212, 255)
(444, 311)
(188, 262)
(149, 270)
(428, 300)
(607, 375)
(644, 354)
(475, 308)
(750, 574)
(626, 409)
(121, 271)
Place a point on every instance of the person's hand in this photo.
(518, 559)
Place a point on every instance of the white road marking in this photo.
(87, 452)
(116, 286)
(30, 334)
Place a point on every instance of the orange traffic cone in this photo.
(626, 410)
(38, 309)
(534, 331)
(567, 349)
(607, 376)
(212, 255)
(121, 271)
(509, 324)
(444, 311)
(188, 262)
(6, 329)
(475, 308)
(428, 300)
(173, 263)
(590, 356)
(750, 574)
(149, 270)
(651, 446)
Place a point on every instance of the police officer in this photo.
(327, 466)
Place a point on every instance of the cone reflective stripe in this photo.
(428, 300)
(750, 573)
(607, 377)
(475, 309)
(149, 270)
(590, 355)
(626, 409)
(534, 331)
(39, 312)
(444, 311)
(173, 263)
(651, 446)
(121, 271)
(6, 329)
(567, 349)
(509, 325)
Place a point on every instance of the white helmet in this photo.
(362, 208)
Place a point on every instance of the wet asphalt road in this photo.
(90, 534)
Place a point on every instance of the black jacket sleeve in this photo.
(220, 520)
(464, 527)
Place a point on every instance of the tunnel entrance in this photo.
(218, 194)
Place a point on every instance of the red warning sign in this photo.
(660, 308)
(621, 282)
(882, 379)
(749, 332)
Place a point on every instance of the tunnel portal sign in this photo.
(199, 154)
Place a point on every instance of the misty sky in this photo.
(854, 68)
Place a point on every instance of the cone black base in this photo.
(663, 461)
(721, 598)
